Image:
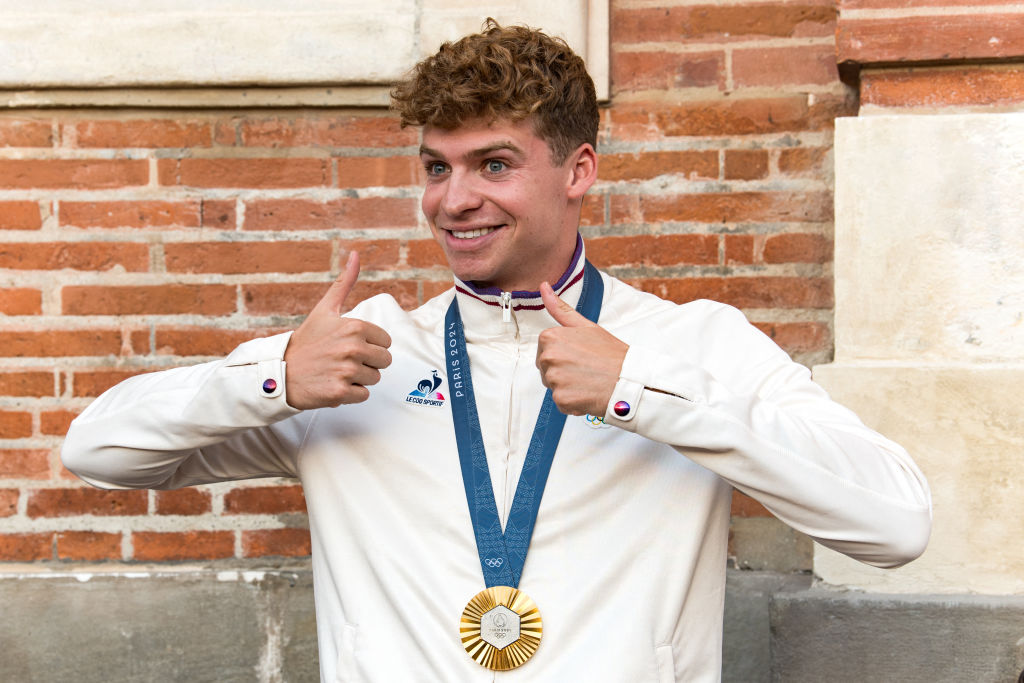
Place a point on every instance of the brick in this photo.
(647, 165)
(660, 70)
(24, 463)
(749, 116)
(156, 546)
(625, 209)
(225, 134)
(85, 501)
(89, 383)
(973, 86)
(745, 292)
(733, 207)
(9, 502)
(25, 133)
(245, 173)
(745, 506)
(56, 422)
(798, 337)
(299, 298)
(21, 301)
(432, 288)
(745, 164)
(51, 343)
(20, 216)
(202, 341)
(592, 212)
(26, 547)
(15, 424)
(797, 248)
(74, 256)
(326, 131)
(247, 257)
(190, 501)
(88, 546)
(27, 383)
(80, 174)
(425, 254)
(264, 500)
(276, 543)
(379, 171)
(373, 254)
(937, 38)
(804, 161)
(219, 213)
(710, 22)
(778, 66)
(149, 299)
(132, 214)
(346, 213)
(739, 249)
(141, 133)
(653, 250)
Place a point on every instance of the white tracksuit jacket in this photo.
(627, 561)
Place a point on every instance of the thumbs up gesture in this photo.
(579, 360)
(331, 359)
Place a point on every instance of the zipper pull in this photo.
(506, 307)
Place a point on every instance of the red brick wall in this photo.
(928, 56)
(145, 239)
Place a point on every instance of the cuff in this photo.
(624, 403)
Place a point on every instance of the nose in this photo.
(460, 194)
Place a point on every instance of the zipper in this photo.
(506, 307)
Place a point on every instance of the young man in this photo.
(424, 439)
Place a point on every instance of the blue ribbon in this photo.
(502, 555)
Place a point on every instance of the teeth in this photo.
(470, 234)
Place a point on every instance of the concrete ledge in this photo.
(821, 635)
(201, 625)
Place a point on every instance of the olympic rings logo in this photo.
(493, 562)
(595, 420)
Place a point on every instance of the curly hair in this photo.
(504, 72)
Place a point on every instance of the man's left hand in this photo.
(579, 360)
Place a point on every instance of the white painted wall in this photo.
(929, 277)
(125, 44)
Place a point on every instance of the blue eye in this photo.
(495, 166)
(436, 168)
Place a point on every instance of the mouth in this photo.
(471, 234)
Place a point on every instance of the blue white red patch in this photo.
(426, 393)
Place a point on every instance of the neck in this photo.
(563, 281)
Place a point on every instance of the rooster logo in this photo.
(426, 391)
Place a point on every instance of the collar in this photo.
(482, 308)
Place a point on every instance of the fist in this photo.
(578, 360)
(330, 359)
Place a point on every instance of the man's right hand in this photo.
(330, 359)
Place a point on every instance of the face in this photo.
(505, 215)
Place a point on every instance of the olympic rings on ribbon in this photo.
(494, 561)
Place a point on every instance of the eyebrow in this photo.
(479, 152)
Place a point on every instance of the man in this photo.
(423, 439)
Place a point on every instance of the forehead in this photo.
(480, 136)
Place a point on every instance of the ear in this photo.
(582, 165)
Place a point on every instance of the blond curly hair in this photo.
(504, 72)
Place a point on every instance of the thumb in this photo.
(334, 300)
(564, 314)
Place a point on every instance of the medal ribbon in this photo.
(502, 555)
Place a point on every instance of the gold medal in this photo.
(501, 628)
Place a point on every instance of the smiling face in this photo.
(505, 215)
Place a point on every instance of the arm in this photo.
(755, 418)
(226, 420)
(200, 424)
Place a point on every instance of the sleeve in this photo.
(217, 421)
(775, 435)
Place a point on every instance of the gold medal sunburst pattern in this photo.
(515, 653)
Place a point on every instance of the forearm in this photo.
(811, 462)
(208, 422)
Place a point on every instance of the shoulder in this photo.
(385, 311)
